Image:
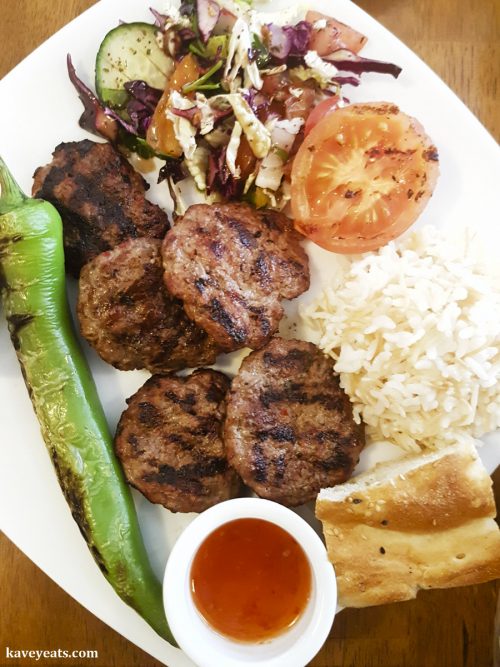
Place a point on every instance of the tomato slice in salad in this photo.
(333, 36)
(361, 177)
(161, 135)
(245, 159)
(319, 112)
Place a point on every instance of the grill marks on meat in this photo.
(170, 445)
(231, 265)
(289, 428)
(130, 319)
(100, 198)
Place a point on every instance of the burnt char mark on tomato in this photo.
(431, 154)
(381, 109)
(188, 477)
(380, 151)
(222, 317)
(349, 194)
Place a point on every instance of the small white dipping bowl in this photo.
(204, 645)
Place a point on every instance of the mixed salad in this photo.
(224, 95)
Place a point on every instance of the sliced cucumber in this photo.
(129, 52)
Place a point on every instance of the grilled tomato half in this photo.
(361, 177)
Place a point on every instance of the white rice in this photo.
(414, 330)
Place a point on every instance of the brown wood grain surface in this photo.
(460, 40)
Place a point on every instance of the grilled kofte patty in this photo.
(100, 198)
(289, 428)
(170, 445)
(231, 265)
(127, 315)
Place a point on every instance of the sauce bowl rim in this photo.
(179, 605)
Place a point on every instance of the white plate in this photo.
(39, 110)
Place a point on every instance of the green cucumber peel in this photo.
(130, 52)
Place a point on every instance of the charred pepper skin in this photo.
(65, 400)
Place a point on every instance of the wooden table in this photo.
(460, 41)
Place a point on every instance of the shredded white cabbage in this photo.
(257, 134)
(284, 132)
(207, 117)
(274, 70)
(219, 136)
(232, 150)
(319, 24)
(174, 17)
(271, 170)
(185, 193)
(325, 70)
(232, 7)
(286, 16)
(240, 44)
(184, 131)
(180, 205)
(280, 198)
(197, 166)
(250, 179)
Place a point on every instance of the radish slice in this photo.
(208, 12)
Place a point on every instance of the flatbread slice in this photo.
(425, 521)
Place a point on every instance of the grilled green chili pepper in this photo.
(73, 425)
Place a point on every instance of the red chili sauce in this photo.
(250, 580)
